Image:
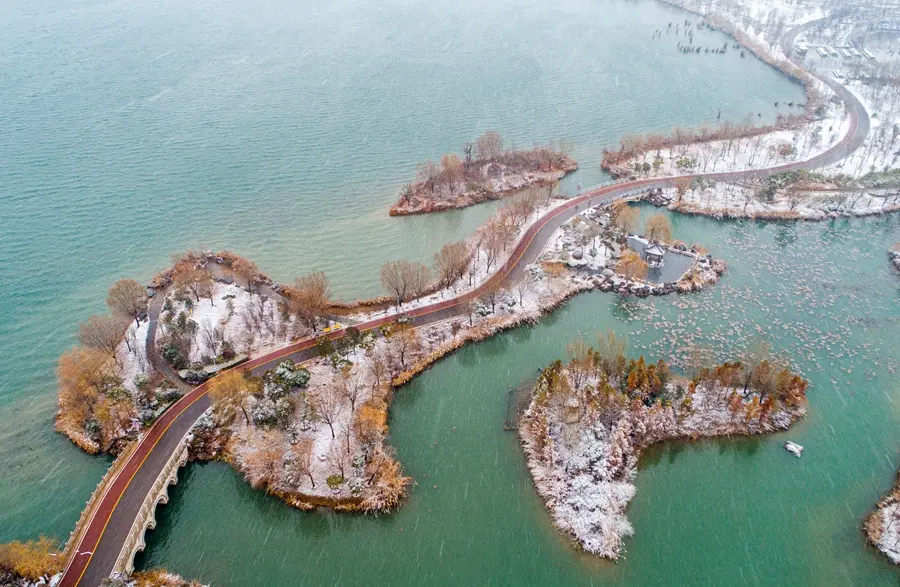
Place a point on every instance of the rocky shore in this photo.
(326, 453)
(588, 422)
(882, 527)
(487, 172)
(594, 243)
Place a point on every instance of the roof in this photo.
(654, 249)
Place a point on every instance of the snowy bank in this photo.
(882, 527)
(583, 433)
(758, 200)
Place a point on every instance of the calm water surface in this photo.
(134, 128)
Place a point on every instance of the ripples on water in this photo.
(134, 130)
(727, 511)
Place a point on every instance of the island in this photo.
(487, 171)
(311, 427)
(299, 385)
(589, 420)
(882, 527)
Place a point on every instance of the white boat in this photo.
(793, 448)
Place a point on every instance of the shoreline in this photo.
(814, 99)
(474, 197)
(214, 444)
(583, 448)
(487, 172)
(882, 526)
(815, 207)
(496, 278)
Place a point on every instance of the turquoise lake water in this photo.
(133, 129)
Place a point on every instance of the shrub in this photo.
(141, 383)
(335, 481)
(785, 149)
(324, 346)
(263, 412)
(290, 375)
(228, 352)
(173, 356)
(356, 486)
(167, 394)
(685, 163)
(32, 559)
(284, 409)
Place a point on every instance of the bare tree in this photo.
(405, 343)
(197, 281)
(406, 193)
(493, 292)
(245, 270)
(489, 146)
(377, 365)
(610, 352)
(103, 332)
(128, 298)
(625, 217)
(524, 286)
(405, 279)
(632, 266)
(658, 228)
(428, 174)
(581, 363)
(228, 391)
(794, 196)
(450, 263)
(301, 463)
(468, 149)
(328, 407)
(496, 238)
(211, 335)
(308, 298)
(337, 458)
(452, 169)
(346, 429)
(473, 267)
(350, 384)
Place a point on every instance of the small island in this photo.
(487, 171)
(894, 256)
(602, 245)
(882, 527)
(590, 419)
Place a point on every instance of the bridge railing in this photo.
(94, 499)
(146, 516)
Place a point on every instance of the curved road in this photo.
(99, 544)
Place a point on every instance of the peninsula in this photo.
(589, 420)
(293, 389)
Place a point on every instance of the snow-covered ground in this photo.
(757, 152)
(583, 458)
(881, 149)
(763, 20)
(578, 244)
(259, 451)
(480, 275)
(250, 323)
(883, 525)
(727, 200)
(131, 356)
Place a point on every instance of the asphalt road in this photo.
(100, 544)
